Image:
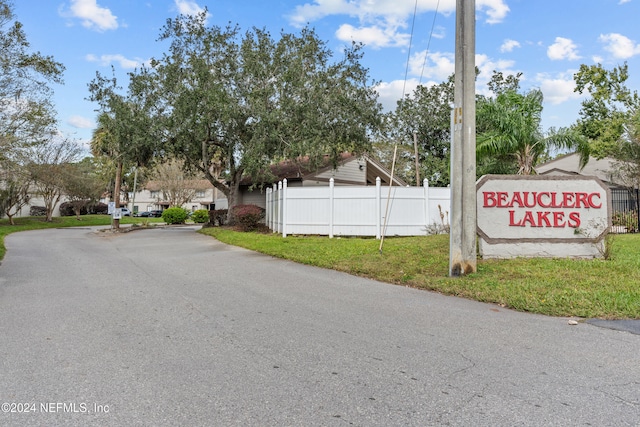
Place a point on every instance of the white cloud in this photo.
(619, 46)
(563, 49)
(439, 65)
(374, 36)
(80, 122)
(391, 92)
(125, 63)
(92, 15)
(557, 89)
(381, 21)
(188, 7)
(623, 1)
(487, 66)
(496, 10)
(509, 45)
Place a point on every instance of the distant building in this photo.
(350, 170)
(151, 197)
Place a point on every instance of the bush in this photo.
(200, 216)
(218, 217)
(37, 211)
(175, 215)
(98, 208)
(628, 221)
(248, 217)
(86, 207)
(67, 208)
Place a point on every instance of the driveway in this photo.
(169, 327)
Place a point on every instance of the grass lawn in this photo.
(35, 223)
(607, 289)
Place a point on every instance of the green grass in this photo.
(607, 289)
(36, 223)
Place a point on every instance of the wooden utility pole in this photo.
(462, 250)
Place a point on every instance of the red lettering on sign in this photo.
(543, 217)
(489, 199)
(512, 221)
(568, 200)
(581, 198)
(526, 199)
(574, 219)
(502, 199)
(593, 205)
(541, 203)
(558, 220)
(528, 217)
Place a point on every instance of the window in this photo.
(200, 193)
(155, 194)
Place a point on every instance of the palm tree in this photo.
(510, 136)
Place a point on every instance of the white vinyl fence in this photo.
(356, 210)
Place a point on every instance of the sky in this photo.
(407, 42)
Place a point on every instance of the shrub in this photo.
(37, 211)
(175, 215)
(86, 207)
(248, 217)
(98, 208)
(218, 217)
(67, 208)
(628, 221)
(200, 216)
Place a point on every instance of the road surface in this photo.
(168, 327)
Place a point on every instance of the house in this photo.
(201, 194)
(625, 201)
(569, 164)
(351, 170)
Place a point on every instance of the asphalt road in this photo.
(171, 328)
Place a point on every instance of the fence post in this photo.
(378, 208)
(427, 202)
(284, 207)
(331, 207)
(274, 207)
(267, 210)
(279, 228)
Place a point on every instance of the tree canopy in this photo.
(609, 108)
(27, 115)
(425, 116)
(234, 103)
(510, 137)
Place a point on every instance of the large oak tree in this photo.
(235, 103)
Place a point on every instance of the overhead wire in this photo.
(404, 88)
(426, 53)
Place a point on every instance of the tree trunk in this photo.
(116, 191)
(48, 204)
(233, 196)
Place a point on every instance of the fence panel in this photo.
(356, 210)
(307, 210)
(625, 205)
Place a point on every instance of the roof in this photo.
(300, 170)
(569, 164)
(193, 184)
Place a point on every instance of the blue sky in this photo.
(544, 39)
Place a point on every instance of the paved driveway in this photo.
(169, 327)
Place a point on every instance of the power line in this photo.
(433, 25)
